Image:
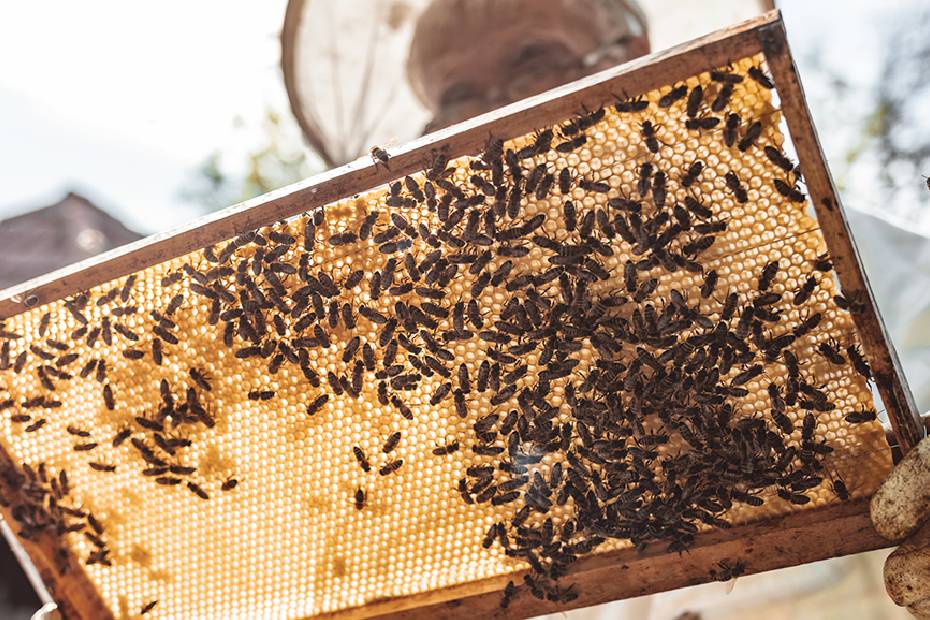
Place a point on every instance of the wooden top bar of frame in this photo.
(799, 538)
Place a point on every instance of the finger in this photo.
(902, 502)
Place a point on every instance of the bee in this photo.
(174, 304)
(441, 392)
(675, 94)
(783, 421)
(637, 104)
(509, 591)
(831, 353)
(121, 436)
(202, 380)
(795, 498)
(570, 145)
(157, 353)
(750, 136)
(710, 283)
(695, 97)
(704, 122)
(461, 407)
(861, 415)
(649, 136)
(727, 572)
(747, 375)
(229, 484)
(360, 497)
(108, 398)
(261, 394)
(725, 77)
(148, 607)
(849, 303)
(391, 442)
(380, 157)
(361, 458)
(197, 490)
(659, 189)
(391, 467)
(768, 275)
(102, 467)
(35, 425)
(859, 362)
(317, 404)
(697, 208)
(722, 98)
(759, 76)
(401, 407)
(568, 212)
(601, 187)
(645, 176)
(734, 185)
(790, 192)
(778, 158)
(449, 448)
(694, 171)
(731, 128)
(807, 325)
(43, 323)
(77, 432)
(805, 291)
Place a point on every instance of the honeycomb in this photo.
(207, 477)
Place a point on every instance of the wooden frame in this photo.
(798, 538)
(775, 543)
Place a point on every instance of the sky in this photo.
(123, 101)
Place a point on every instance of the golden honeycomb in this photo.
(288, 540)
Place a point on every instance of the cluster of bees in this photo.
(49, 509)
(584, 367)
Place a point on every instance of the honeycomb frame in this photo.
(761, 35)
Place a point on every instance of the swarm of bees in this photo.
(614, 400)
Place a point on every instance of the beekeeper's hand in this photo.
(901, 512)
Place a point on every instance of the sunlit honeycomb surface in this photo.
(288, 540)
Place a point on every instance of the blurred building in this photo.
(46, 239)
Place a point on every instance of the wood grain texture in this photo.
(886, 367)
(798, 538)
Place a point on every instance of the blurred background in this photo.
(119, 120)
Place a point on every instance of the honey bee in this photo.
(380, 157)
(759, 76)
(675, 94)
(637, 104)
(649, 136)
(197, 490)
(449, 448)
(391, 442)
(391, 467)
(735, 186)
